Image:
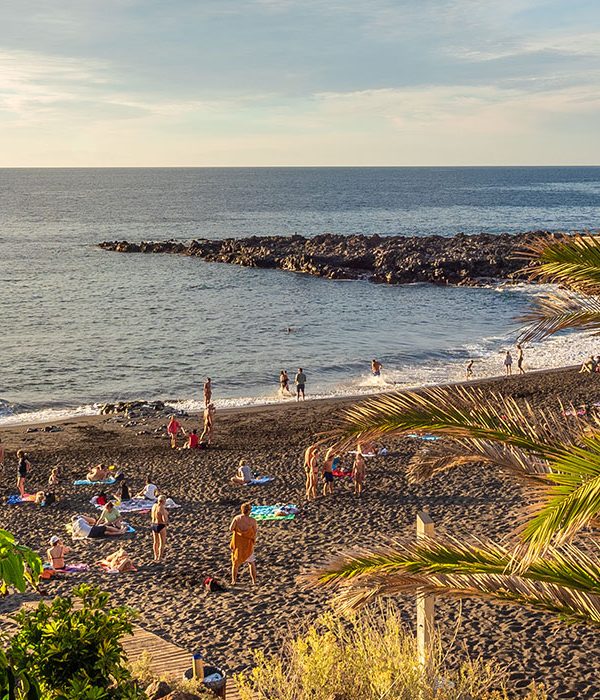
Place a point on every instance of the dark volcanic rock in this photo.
(464, 260)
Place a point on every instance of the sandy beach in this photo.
(228, 625)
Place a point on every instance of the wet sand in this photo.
(227, 626)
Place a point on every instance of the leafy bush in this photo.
(370, 658)
(73, 647)
(19, 566)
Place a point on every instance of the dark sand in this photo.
(228, 626)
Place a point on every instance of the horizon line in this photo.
(290, 167)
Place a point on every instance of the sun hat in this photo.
(54, 539)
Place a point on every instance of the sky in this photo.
(299, 82)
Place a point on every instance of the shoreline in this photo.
(349, 398)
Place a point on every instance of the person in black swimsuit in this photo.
(159, 520)
(22, 471)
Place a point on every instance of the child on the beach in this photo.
(173, 429)
(359, 471)
(192, 440)
(56, 553)
(328, 472)
(53, 478)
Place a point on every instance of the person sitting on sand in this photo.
(192, 441)
(118, 561)
(243, 530)
(376, 368)
(98, 473)
(56, 553)
(209, 424)
(23, 469)
(159, 520)
(589, 365)
(359, 471)
(124, 493)
(150, 490)
(110, 516)
(173, 429)
(84, 526)
(244, 474)
(508, 363)
(328, 472)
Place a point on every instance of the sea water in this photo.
(80, 326)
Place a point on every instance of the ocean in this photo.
(81, 326)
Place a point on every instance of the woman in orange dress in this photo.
(243, 530)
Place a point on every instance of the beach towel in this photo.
(15, 499)
(276, 512)
(129, 531)
(364, 454)
(428, 438)
(342, 472)
(74, 568)
(87, 482)
(137, 505)
(260, 480)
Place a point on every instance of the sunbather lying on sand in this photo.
(84, 526)
(98, 473)
(118, 561)
(244, 474)
(56, 553)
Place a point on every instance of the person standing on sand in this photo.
(159, 519)
(207, 391)
(23, 469)
(520, 358)
(300, 382)
(328, 472)
(376, 368)
(209, 424)
(508, 363)
(284, 383)
(172, 430)
(243, 530)
(1, 458)
(311, 457)
(470, 369)
(359, 471)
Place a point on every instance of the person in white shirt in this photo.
(244, 474)
(149, 492)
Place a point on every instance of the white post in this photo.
(425, 603)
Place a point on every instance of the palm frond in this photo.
(570, 260)
(558, 312)
(565, 583)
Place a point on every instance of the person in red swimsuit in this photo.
(173, 429)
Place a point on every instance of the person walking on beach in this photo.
(376, 368)
(172, 430)
(520, 358)
(209, 424)
(300, 382)
(284, 383)
(243, 530)
(159, 521)
(23, 469)
(470, 369)
(207, 391)
(359, 471)
(508, 363)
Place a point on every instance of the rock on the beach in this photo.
(157, 690)
(474, 260)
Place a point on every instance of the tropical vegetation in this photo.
(550, 563)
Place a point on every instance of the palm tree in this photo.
(557, 461)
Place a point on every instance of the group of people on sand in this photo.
(508, 363)
(316, 469)
(192, 439)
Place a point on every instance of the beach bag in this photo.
(211, 585)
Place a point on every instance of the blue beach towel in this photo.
(430, 438)
(260, 480)
(15, 499)
(87, 482)
(276, 512)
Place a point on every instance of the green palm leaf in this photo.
(572, 261)
(558, 312)
(565, 584)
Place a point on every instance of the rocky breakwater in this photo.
(457, 260)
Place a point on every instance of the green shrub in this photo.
(73, 648)
(369, 658)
